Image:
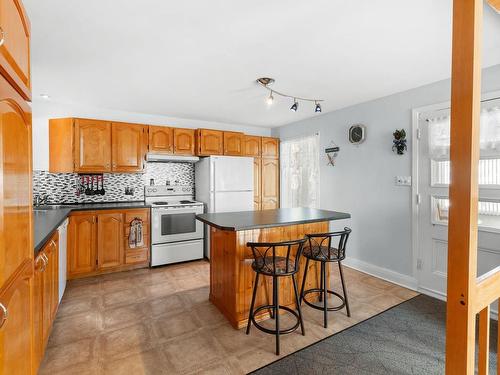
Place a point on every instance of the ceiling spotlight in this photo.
(318, 108)
(295, 105)
(270, 98)
(45, 96)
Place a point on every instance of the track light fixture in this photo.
(266, 82)
(318, 108)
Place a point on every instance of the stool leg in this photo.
(325, 299)
(344, 290)
(250, 313)
(297, 302)
(304, 282)
(271, 313)
(277, 312)
(321, 285)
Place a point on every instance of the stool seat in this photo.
(323, 253)
(279, 266)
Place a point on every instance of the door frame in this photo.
(416, 255)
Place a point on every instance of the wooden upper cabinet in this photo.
(270, 147)
(270, 183)
(127, 147)
(233, 143)
(209, 142)
(16, 331)
(81, 244)
(92, 146)
(15, 50)
(183, 141)
(251, 146)
(110, 240)
(161, 140)
(15, 188)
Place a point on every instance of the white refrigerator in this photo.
(224, 184)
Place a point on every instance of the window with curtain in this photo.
(488, 168)
(300, 172)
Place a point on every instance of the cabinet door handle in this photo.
(45, 262)
(5, 314)
(2, 36)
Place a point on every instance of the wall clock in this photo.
(357, 134)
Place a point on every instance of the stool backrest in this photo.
(277, 257)
(332, 240)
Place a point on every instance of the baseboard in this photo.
(382, 273)
(441, 296)
(398, 278)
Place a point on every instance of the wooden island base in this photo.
(232, 277)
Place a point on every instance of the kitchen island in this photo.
(231, 274)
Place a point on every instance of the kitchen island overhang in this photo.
(231, 274)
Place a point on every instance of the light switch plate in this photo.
(403, 180)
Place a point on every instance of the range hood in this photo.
(171, 158)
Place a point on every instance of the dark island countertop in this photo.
(245, 220)
(46, 221)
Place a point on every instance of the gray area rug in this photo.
(406, 339)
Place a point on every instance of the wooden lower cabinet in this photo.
(109, 240)
(15, 330)
(81, 244)
(45, 296)
(98, 242)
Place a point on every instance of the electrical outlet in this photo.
(403, 180)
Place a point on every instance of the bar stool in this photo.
(320, 249)
(276, 259)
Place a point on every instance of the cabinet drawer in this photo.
(142, 214)
(136, 256)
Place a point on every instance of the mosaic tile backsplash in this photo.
(63, 187)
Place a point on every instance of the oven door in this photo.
(172, 224)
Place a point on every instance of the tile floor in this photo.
(159, 321)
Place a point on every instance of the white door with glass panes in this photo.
(433, 207)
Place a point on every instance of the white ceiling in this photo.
(199, 59)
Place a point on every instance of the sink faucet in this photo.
(41, 199)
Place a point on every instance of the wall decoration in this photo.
(357, 134)
(331, 153)
(67, 187)
(399, 142)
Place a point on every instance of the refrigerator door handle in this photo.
(212, 175)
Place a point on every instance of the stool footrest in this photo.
(273, 331)
(318, 307)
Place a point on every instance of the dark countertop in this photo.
(244, 220)
(46, 222)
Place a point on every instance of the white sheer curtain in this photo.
(439, 135)
(300, 172)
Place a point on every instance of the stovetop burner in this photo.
(185, 202)
(160, 203)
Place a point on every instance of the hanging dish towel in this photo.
(135, 237)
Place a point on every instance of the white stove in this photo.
(176, 234)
